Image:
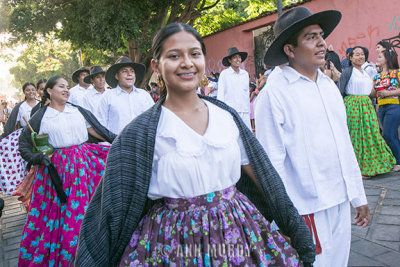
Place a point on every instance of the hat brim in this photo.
(225, 60)
(88, 78)
(76, 74)
(139, 69)
(327, 20)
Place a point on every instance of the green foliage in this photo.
(44, 58)
(231, 12)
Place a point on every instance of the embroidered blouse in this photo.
(388, 81)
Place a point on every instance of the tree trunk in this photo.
(133, 51)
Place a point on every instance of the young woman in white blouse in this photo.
(195, 150)
(12, 166)
(63, 183)
(373, 154)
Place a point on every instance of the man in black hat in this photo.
(78, 92)
(125, 102)
(301, 122)
(92, 98)
(233, 84)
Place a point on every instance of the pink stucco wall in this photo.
(364, 22)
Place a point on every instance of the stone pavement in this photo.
(373, 246)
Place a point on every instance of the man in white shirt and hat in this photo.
(78, 91)
(93, 95)
(125, 102)
(301, 122)
(233, 84)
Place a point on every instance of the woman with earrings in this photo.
(12, 166)
(159, 204)
(386, 89)
(64, 182)
(373, 154)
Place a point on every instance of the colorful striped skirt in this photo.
(373, 154)
(12, 166)
(51, 231)
(217, 229)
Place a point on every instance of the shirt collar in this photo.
(121, 91)
(230, 69)
(293, 75)
(51, 112)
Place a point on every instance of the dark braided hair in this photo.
(49, 84)
(40, 82)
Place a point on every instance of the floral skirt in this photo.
(217, 229)
(12, 166)
(51, 231)
(373, 154)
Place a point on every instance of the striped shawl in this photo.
(120, 200)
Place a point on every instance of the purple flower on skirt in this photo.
(227, 193)
(135, 238)
(174, 243)
(237, 259)
(228, 237)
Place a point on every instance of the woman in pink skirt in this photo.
(65, 182)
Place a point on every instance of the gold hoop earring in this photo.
(160, 82)
(204, 81)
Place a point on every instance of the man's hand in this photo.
(363, 216)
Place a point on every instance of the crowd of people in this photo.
(196, 170)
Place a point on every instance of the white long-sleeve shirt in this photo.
(77, 93)
(91, 99)
(302, 126)
(233, 89)
(117, 107)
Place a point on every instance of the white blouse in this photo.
(187, 164)
(24, 111)
(66, 128)
(359, 84)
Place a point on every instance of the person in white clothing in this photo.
(125, 102)
(92, 98)
(301, 123)
(233, 84)
(78, 91)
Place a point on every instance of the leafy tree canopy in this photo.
(42, 59)
(228, 13)
(106, 29)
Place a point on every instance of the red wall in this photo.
(364, 22)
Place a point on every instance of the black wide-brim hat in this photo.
(76, 73)
(94, 70)
(294, 21)
(231, 52)
(139, 69)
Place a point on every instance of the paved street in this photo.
(376, 245)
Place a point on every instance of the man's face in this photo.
(310, 50)
(99, 81)
(82, 76)
(235, 61)
(126, 77)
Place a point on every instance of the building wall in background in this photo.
(364, 22)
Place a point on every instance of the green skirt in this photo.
(373, 154)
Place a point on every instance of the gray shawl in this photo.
(121, 200)
(12, 121)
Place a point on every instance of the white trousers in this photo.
(334, 233)
(246, 118)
